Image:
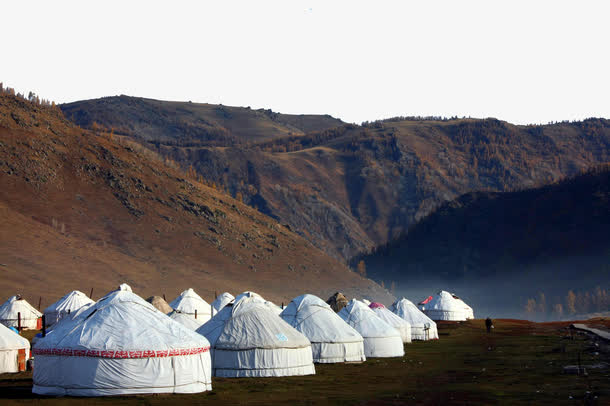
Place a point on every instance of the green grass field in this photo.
(519, 363)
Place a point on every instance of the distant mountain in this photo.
(551, 238)
(83, 209)
(191, 124)
(351, 188)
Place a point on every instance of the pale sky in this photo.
(519, 61)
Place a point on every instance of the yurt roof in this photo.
(387, 316)
(222, 300)
(189, 301)
(9, 340)
(249, 323)
(313, 317)
(16, 304)
(186, 320)
(71, 301)
(408, 311)
(121, 323)
(445, 301)
(365, 321)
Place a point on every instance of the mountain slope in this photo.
(186, 123)
(82, 209)
(351, 188)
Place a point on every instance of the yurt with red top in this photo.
(121, 345)
(446, 306)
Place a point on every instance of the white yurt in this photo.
(444, 306)
(366, 302)
(192, 304)
(422, 326)
(11, 345)
(467, 309)
(249, 340)
(403, 327)
(185, 320)
(121, 345)
(332, 339)
(16, 307)
(68, 304)
(276, 309)
(380, 339)
(221, 301)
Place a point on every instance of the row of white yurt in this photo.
(122, 332)
(121, 345)
(14, 351)
(17, 312)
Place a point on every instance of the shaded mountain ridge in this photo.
(558, 230)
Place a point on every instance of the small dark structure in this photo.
(160, 304)
(337, 301)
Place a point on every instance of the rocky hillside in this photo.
(350, 188)
(83, 209)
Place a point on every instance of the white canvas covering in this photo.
(422, 326)
(66, 305)
(332, 339)
(403, 327)
(221, 301)
(469, 313)
(276, 309)
(189, 301)
(249, 340)
(16, 306)
(185, 320)
(380, 339)
(121, 345)
(10, 344)
(444, 306)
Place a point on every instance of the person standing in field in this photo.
(489, 324)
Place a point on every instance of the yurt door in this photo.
(21, 359)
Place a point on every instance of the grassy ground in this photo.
(520, 363)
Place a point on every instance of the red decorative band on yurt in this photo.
(68, 352)
(376, 305)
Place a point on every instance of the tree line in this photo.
(31, 97)
(573, 303)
